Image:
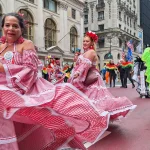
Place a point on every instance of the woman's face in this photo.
(75, 57)
(12, 29)
(87, 42)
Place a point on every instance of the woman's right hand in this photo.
(76, 75)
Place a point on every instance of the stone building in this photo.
(55, 26)
(115, 22)
(145, 21)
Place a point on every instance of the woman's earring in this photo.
(91, 47)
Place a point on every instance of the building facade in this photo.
(115, 22)
(145, 21)
(55, 26)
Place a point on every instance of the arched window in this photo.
(101, 42)
(1, 13)
(73, 39)
(120, 42)
(28, 34)
(108, 56)
(118, 56)
(50, 33)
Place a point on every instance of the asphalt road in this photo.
(133, 132)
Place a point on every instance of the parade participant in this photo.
(45, 72)
(103, 71)
(127, 65)
(111, 67)
(139, 77)
(146, 60)
(121, 71)
(67, 73)
(86, 78)
(107, 77)
(35, 114)
(58, 72)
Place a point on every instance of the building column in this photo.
(39, 28)
(63, 42)
(80, 43)
(10, 6)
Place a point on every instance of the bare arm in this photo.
(91, 55)
(28, 45)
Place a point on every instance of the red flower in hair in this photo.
(92, 35)
(20, 14)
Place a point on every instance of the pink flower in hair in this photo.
(93, 36)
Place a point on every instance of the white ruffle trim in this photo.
(123, 110)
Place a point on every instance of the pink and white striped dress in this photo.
(36, 115)
(97, 92)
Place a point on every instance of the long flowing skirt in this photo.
(48, 116)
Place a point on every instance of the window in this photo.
(101, 27)
(100, 1)
(85, 19)
(0, 20)
(120, 16)
(28, 34)
(101, 42)
(50, 5)
(108, 56)
(30, 1)
(101, 15)
(86, 29)
(118, 56)
(50, 33)
(130, 23)
(73, 39)
(134, 25)
(125, 19)
(73, 13)
(119, 26)
(120, 42)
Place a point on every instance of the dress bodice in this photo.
(17, 57)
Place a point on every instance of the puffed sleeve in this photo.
(82, 69)
(22, 77)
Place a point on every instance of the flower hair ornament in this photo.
(93, 36)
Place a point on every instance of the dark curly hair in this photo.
(20, 20)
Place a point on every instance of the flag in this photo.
(129, 56)
(130, 45)
(123, 53)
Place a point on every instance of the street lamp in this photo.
(110, 36)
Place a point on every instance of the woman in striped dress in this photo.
(35, 114)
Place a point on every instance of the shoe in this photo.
(125, 86)
(133, 86)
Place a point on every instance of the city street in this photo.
(133, 132)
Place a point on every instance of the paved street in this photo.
(132, 133)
